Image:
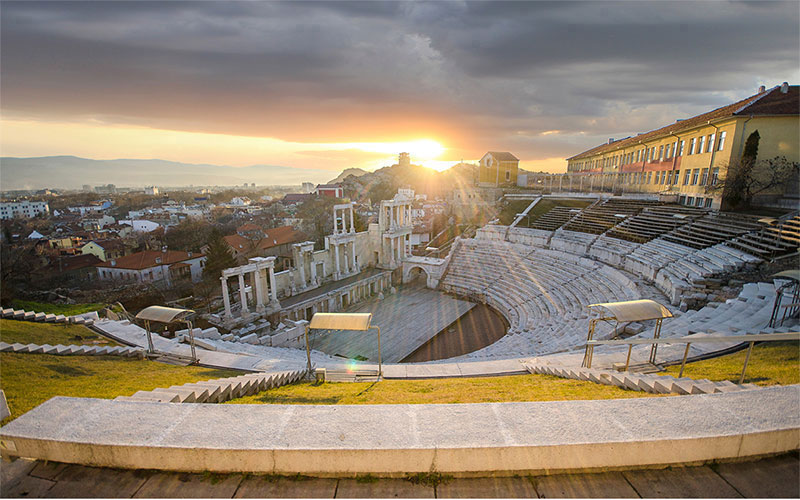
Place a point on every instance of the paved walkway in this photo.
(767, 478)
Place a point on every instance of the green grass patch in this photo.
(28, 332)
(771, 363)
(450, 390)
(31, 379)
(65, 309)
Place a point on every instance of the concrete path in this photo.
(766, 478)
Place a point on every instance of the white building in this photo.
(25, 209)
(152, 266)
(141, 225)
(151, 190)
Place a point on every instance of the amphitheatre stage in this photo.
(407, 319)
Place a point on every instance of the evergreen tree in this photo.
(218, 257)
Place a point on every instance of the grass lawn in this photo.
(451, 390)
(771, 363)
(510, 212)
(28, 332)
(31, 379)
(65, 309)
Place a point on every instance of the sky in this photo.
(331, 85)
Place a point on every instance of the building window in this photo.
(661, 153)
(710, 145)
(690, 200)
(704, 177)
(701, 144)
(721, 144)
(686, 177)
(658, 177)
(709, 201)
(699, 202)
(649, 177)
(695, 174)
(691, 146)
(714, 176)
(508, 176)
(680, 152)
(681, 200)
(637, 155)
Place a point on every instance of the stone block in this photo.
(250, 339)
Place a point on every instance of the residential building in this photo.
(684, 158)
(104, 249)
(151, 190)
(141, 225)
(252, 241)
(23, 209)
(332, 190)
(73, 269)
(498, 168)
(167, 266)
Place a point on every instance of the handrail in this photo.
(751, 339)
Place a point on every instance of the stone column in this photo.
(225, 297)
(256, 280)
(273, 289)
(301, 257)
(346, 261)
(353, 255)
(336, 258)
(313, 269)
(352, 226)
(335, 225)
(243, 295)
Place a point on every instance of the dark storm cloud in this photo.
(474, 74)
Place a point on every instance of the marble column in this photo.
(313, 270)
(353, 255)
(352, 227)
(346, 260)
(336, 258)
(301, 257)
(243, 295)
(273, 289)
(225, 296)
(256, 280)
(335, 225)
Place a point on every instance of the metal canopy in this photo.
(340, 321)
(792, 274)
(635, 310)
(163, 314)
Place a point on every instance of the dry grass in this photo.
(27, 332)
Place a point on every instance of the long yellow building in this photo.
(683, 158)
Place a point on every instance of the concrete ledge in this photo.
(386, 440)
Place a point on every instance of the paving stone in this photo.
(12, 472)
(77, 481)
(272, 487)
(776, 477)
(382, 488)
(48, 470)
(178, 485)
(600, 485)
(680, 482)
(30, 487)
(487, 487)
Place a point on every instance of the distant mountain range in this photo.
(71, 172)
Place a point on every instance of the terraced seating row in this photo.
(653, 384)
(601, 217)
(554, 218)
(652, 222)
(713, 228)
(771, 241)
(41, 317)
(218, 390)
(67, 350)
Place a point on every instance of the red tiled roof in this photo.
(771, 102)
(273, 237)
(248, 227)
(147, 259)
(73, 263)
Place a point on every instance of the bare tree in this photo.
(746, 179)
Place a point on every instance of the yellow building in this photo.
(498, 168)
(683, 158)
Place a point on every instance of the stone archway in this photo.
(416, 273)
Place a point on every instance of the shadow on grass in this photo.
(297, 400)
(69, 371)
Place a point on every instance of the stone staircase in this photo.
(41, 317)
(653, 384)
(218, 390)
(67, 350)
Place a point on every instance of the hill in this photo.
(383, 183)
(71, 172)
(358, 172)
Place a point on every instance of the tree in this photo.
(218, 257)
(740, 175)
(747, 178)
(189, 235)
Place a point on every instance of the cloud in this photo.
(472, 75)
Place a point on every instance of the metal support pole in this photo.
(656, 334)
(191, 340)
(746, 360)
(150, 347)
(380, 366)
(587, 355)
(628, 360)
(683, 363)
(308, 352)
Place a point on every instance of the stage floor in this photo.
(407, 319)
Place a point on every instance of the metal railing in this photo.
(751, 339)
